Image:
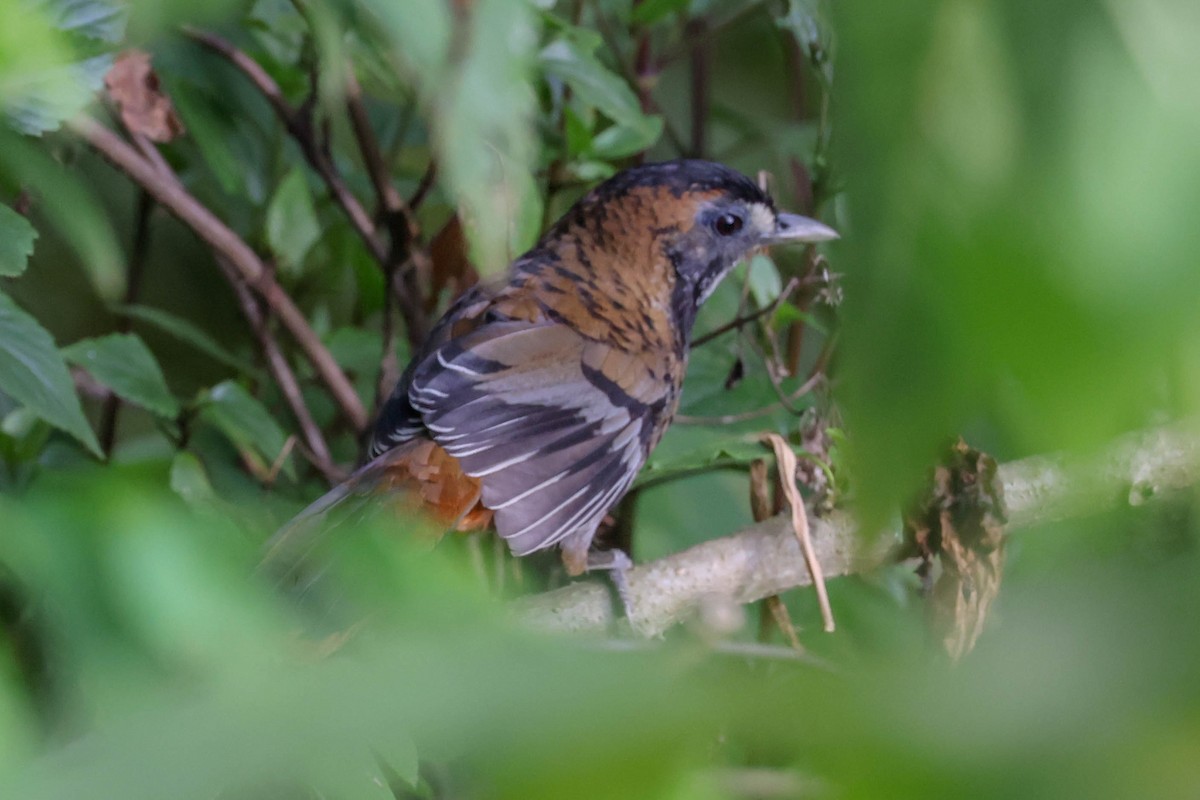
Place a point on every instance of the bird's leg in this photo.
(616, 563)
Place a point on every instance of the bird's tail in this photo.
(417, 476)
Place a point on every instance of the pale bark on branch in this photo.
(765, 559)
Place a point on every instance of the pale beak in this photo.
(795, 228)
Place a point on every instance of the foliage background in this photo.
(1014, 184)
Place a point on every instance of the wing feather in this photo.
(545, 419)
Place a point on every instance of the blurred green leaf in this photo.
(32, 372)
(23, 434)
(213, 135)
(246, 421)
(44, 100)
(292, 227)
(485, 130)
(186, 332)
(73, 210)
(49, 65)
(590, 171)
(123, 363)
(419, 33)
(16, 242)
(649, 12)
(189, 479)
(280, 28)
(102, 20)
(1024, 263)
(578, 132)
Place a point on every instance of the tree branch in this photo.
(172, 196)
(299, 125)
(404, 257)
(285, 378)
(765, 559)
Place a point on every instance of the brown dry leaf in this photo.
(145, 110)
(451, 267)
(786, 460)
(961, 521)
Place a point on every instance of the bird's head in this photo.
(684, 224)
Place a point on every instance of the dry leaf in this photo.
(786, 461)
(451, 268)
(961, 521)
(145, 110)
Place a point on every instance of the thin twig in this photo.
(423, 186)
(389, 199)
(740, 322)
(699, 58)
(404, 257)
(813, 381)
(284, 377)
(299, 125)
(133, 284)
(172, 196)
(774, 365)
(711, 29)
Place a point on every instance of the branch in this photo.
(299, 125)
(285, 378)
(172, 196)
(739, 322)
(388, 198)
(765, 559)
(401, 224)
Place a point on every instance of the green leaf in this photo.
(591, 171)
(189, 479)
(765, 283)
(651, 11)
(70, 208)
(123, 363)
(16, 242)
(292, 226)
(594, 83)
(570, 59)
(187, 332)
(618, 141)
(32, 372)
(245, 421)
(578, 132)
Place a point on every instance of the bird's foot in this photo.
(616, 563)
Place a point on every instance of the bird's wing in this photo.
(398, 422)
(554, 425)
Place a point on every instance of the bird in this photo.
(537, 397)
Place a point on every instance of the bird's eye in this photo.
(727, 224)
